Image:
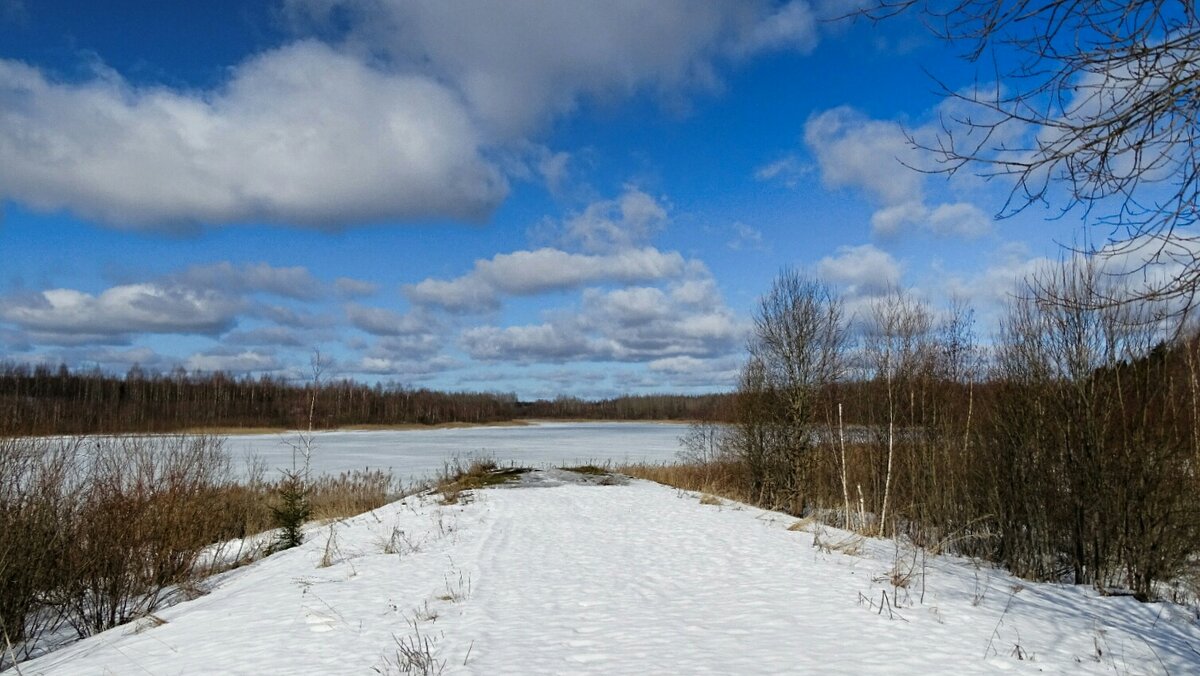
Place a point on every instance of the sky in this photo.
(543, 198)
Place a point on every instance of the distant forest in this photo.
(45, 400)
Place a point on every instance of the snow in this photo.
(625, 579)
(420, 454)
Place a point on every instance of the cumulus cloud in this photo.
(404, 369)
(633, 324)
(290, 282)
(279, 336)
(205, 300)
(535, 343)
(114, 359)
(122, 310)
(383, 322)
(380, 110)
(957, 219)
(692, 372)
(854, 151)
(299, 135)
(554, 169)
(519, 64)
(290, 316)
(525, 273)
(861, 270)
(108, 358)
(348, 287)
(611, 225)
(241, 362)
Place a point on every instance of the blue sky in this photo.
(559, 198)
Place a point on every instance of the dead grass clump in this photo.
(722, 478)
(593, 470)
(803, 524)
(351, 493)
(851, 545)
(457, 478)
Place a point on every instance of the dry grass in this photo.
(96, 532)
(717, 479)
(850, 545)
(459, 477)
(803, 524)
(351, 493)
(217, 430)
(594, 470)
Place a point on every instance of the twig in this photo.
(1000, 621)
(11, 653)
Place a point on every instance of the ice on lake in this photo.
(419, 454)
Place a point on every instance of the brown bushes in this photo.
(96, 532)
(1073, 455)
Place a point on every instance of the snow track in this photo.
(635, 579)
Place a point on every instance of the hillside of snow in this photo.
(556, 576)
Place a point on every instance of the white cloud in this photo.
(891, 221)
(788, 169)
(961, 219)
(107, 358)
(958, 219)
(854, 151)
(290, 282)
(287, 316)
(677, 372)
(408, 116)
(384, 322)
(122, 310)
(612, 225)
(634, 324)
(268, 336)
(554, 169)
(525, 273)
(241, 362)
(525, 344)
(348, 287)
(299, 135)
(519, 64)
(401, 368)
(861, 270)
(792, 27)
(745, 238)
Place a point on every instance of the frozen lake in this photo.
(419, 454)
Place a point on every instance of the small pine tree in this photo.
(291, 512)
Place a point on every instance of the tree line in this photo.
(41, 399)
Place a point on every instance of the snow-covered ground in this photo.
(419, 454)
(626, 579)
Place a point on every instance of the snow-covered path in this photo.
(634, 579)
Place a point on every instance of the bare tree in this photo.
(798, 349)
(1100, 98)
(897, 349)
